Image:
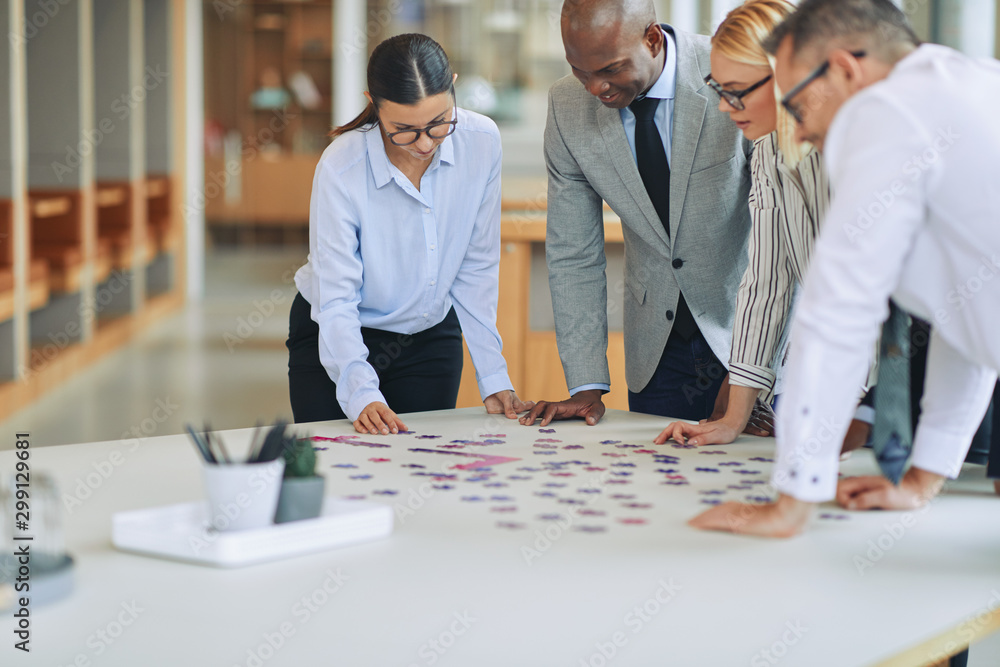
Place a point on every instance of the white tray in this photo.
(181, 532)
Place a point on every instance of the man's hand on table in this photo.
(785, 518)
(875, 492)
(506, 402)
(788, 516)
(586, 405)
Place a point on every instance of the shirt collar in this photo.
(666, 86)
(381, 167)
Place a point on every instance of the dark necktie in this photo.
(892, 434)
(651, 159)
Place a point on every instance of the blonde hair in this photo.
(740, 37)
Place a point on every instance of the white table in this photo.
(449, 575)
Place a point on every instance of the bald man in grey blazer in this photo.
(685, 220)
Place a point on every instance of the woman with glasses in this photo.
(789, 196)
(404, 250)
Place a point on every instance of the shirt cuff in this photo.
(356, 405)
(491, 384)
(865, 413)
(587, 387)
(807, 478)
(747, 375)
(938, 451)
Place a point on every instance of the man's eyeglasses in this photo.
(786, 101)
(734, 97)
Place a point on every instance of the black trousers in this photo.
(416, 372)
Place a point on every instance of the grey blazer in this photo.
(589, 160)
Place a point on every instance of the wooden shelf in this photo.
(50, 207)
(38, 284)
(56, 224)
(76, 220)
(6, 293)
(109, 196)
(6, 261)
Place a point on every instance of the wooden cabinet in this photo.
(268, 108)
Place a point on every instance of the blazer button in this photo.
(670, 315)
(678, 263)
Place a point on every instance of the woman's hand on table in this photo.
(785, 518)
(719, 432)
(378, 418)
(507, 403)
(746, 414)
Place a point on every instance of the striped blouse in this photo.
(786, 206)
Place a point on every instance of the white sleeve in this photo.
(335, 257)
(957, 393)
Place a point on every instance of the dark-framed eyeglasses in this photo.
(786, 101)
(434, 131)
(734, 97)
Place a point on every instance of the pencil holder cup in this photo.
(242, 496)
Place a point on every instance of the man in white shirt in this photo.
(910, 137)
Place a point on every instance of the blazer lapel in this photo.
(690, 107)
(613, 132)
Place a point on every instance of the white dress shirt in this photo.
(914, 169)
(664, 89)
(385, 255)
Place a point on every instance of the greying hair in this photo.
(877, 26)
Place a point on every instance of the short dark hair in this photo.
(877, 26)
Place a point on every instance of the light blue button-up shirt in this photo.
(385, 255)
(664, 89)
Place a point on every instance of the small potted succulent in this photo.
(301, 488)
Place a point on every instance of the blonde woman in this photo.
(788, 200)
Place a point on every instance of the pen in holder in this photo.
(243, 495)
